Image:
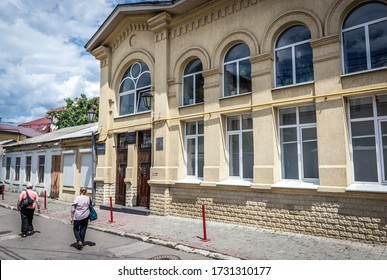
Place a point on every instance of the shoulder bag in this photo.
(93, 214)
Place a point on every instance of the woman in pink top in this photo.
(80, 217)
(27, 213)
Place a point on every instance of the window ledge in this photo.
(364, 187)
(241, 183)
(192, 181)
(295, 185)
(293, 85)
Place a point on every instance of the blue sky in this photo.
(42, 55)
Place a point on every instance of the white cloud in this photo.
(42, 54)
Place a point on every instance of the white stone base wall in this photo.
(343, 216)
(104, 192)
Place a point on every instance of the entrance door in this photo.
(122, 159)
(55, 174)
(144, 164)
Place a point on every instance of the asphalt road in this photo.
(54, 240)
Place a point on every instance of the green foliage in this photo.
(75, 111)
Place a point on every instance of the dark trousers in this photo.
(26, 219)
(80, 228)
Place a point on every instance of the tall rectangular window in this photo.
(8, 169)
(41, 163)
(298, 137)
(28, 168)
(194, 143)
(368, 127)
(68, 170)
(17, 169)
(240, 146)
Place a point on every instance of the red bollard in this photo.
(45, 200)
(204, 224)
(111, 211)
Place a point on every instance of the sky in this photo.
(42, 56)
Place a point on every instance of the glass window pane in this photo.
(140, 101)
(127, 85)
(237, 52)
(199, 80)
(247, 121)
(283, 66)
(310, 153)
(248, 154)
(293, 35)
(200, 127)
(361, 108)
(304, 63)
(190, 128)
(355, 57)
(200, 156)
(384, 148)
(245, 76)
(364, 159)
(365, 13)
(230, 79)
(290, 161)
(127, 104)
(381, 104)
(360, 129)
(378, 45)
(289, 135)
(233, 153)
(188, 97)
(135, 70)
(288, 116)
(307, 114)
(233, 123)
(193, 67)
(191, 157)
(144, 80)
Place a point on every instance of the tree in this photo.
(75, 111)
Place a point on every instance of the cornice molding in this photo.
(132, 27)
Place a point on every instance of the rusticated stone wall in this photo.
(314, 214)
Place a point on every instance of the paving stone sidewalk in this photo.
(226, 241)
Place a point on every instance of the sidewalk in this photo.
(226, 241)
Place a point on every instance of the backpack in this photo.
(26, 201)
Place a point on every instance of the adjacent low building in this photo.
(58, 163)
(271, 113)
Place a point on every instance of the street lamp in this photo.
(91, 116)
(147, 97)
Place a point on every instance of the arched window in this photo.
(364, 38)
(237, 71)
(293, 57)
(193, 82)
(134, 84)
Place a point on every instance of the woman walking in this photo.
(27, 213)
(80, 217)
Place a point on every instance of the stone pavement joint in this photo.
(226, 241)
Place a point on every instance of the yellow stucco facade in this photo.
(167, 38)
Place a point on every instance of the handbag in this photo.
(93, 214)
(25, 202)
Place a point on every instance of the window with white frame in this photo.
(293, 57)
(41, 165)
(86, 170)
(28, 168)
(364, 38)
(368, 128)
(134, 84)
(194, 143)
(17, 169)
(193, 83)
(237, 71)
(298, 140)
(240, 146)
(68, 169)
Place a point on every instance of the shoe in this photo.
(29, 232)
(24, 235)
(80, 245)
